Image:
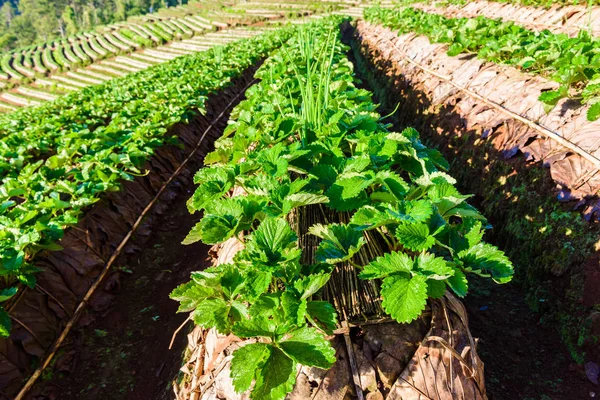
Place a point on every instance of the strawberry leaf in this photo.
(404, 296)
(340, 242)
(388, 264)
(488, 259)
(5, 323)
(323, 313)
(308, 347)
(458, 283)
(415, 237)
(276, 378)
(593, 112)
(433, 267)
(247, 360)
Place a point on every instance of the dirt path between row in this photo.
(125, 353)
(523, 359)
(121, 351)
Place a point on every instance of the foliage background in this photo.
(25, 22)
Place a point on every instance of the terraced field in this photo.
(286, 182)
(41, 73)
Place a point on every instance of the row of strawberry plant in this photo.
(307, 138)
(534, 3)
(48, 195)
(34, 133)
(572, 62)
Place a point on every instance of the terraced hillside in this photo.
(41, 73)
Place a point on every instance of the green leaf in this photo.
(412, 211)
(475, 232)
(273, 242)
(302, 199)
(551, 97)
(257, 326)
(276, 378)
(293, 308)
(404, 297)
(458, 283)
(415, 236)
(455, 49)
(357, 164)
(232, 281)
(352, 184)
(311, 284)
(246, 362)
(214, 183)
(488, 259)
(7, 293)
(308, 347)
(433, 267)
(325, 174)
(436, 289)
(190, 295)
(593, 112)
(5, 323)
(323, 313)
(527, 62)
(369, 217)
(340, 242)
(457, 207)
(257, 283)
(213, 313)
(338, 202)
(393, 183)
(388, 264)
(443, 190)
(213, 229)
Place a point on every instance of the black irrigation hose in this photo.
(56, 345)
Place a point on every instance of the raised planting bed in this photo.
(47, 304)
(558, 19)
(341, 247)
(460, 105)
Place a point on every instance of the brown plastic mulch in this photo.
(509, 89)
(434, 358)
(569, 19)
(40, 314)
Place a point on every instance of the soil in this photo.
(523, 358)
(125, 353)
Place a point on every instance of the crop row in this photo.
(112, 129)
(572, 62)
(83, 49)
(534, 3)
(307, 141)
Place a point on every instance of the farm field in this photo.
(305, 200)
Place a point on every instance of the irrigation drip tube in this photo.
(81, 306)
(533, 125)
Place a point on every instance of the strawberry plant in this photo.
(307, 139)
(58, 159)
(572, 62)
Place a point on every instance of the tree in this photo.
(68, 17)
(7, 13)
(8, 41)
(23, 29)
